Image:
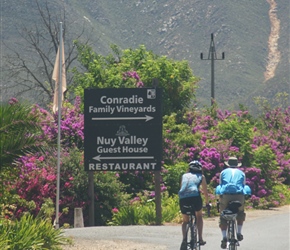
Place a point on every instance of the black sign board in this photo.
(123, 129)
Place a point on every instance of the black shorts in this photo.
(196, 201)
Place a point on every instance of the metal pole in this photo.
(212, 56)
(157, 176)
(92, 200)
(158, 198)
(59, 127)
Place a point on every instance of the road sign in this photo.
(123, 129)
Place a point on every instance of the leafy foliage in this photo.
(137, 68)
(210, 135)
(239, 130)
(35, 178)
(141, 210)
(220, 134)
(30, 233)
(172, 176)
(109, 193)
(19, 131)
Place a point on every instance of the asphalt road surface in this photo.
(263, 230)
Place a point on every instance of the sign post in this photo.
(123, 130)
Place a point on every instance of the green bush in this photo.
(30, 233)
(170, 207)
(264, 159)
(239, 131)
(127, 215)
(172, 176)
(147, 214)
(280, 195)
(109, 193)
(142, 211)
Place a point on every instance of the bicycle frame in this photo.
(232, 243)
(230, 215)
(191, 230)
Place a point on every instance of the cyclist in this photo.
(232, 187)
(189, 194)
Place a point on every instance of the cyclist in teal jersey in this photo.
(189, 194)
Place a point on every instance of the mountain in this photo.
(254, 35)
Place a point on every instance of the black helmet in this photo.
(195, 166)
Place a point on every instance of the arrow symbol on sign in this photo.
(99, 158)
(146, 118)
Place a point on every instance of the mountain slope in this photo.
(181, 30)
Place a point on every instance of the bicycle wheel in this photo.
(193, 237)
(231, 236)
(196, 246)
(232, 246)
(188, 236)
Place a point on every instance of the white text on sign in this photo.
(121, 109)
(122, 166)
(132, 140)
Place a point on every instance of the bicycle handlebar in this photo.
(208, 207)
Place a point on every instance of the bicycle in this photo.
(191, 228)
(230, 215)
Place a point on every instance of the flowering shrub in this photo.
(72, 125)
(208, 135)
(262, 146)
(37, 172)
(256, 182)
(34, 183)
(276, 128)
(37, 183)
(133, 75)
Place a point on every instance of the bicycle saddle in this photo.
(234, 206)
(189, 209)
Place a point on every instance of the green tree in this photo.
(240, 131)
(19, 131)
(137, 68)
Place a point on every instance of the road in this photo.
(263, 230)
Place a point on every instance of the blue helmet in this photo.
(195, 166)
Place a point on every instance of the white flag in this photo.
(55, 77)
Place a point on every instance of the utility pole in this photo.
(212, 56)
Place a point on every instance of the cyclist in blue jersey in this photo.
(232, 187)
(189, 194)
